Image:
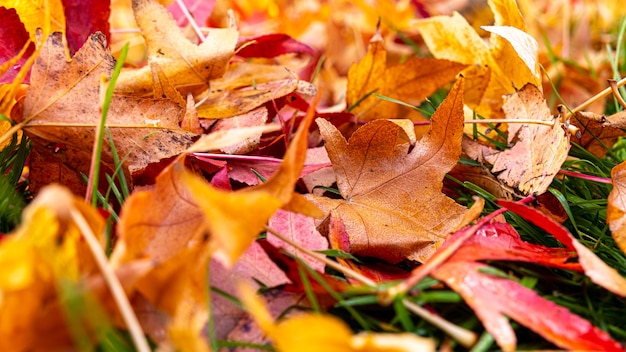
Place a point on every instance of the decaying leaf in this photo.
(61, 109)
(596, 133)
(393, 207)
(538, 150)
(186, 65)
(411, 82)
(232, 103)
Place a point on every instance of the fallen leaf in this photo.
(616, 207)
(493, 299)
(272, 45)
(254, 267)
(301, 230)
(538, 150)
(595, 134)
(61, 110)
(392, 203)
(46, 249)
(241, 166)
(499, 67)
(16, 45)
(411, 82)
(256, 117)
(232, 103)
(598, 271)
(186, 65)
(30, 13)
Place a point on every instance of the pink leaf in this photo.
(300, 229)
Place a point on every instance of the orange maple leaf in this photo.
(393, 207)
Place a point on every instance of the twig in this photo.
(322, 258)
(112, 281)
(595, 98)
(616, 94)
(191, 20)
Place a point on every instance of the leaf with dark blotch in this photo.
(62, 108)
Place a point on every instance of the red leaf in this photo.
(493, 298)
(272, 45)
(500, 241)
(83, 18)
(597, 270)
(13, 37)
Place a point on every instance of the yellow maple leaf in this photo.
(498, 66)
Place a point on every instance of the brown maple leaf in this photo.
(393, 207)
(538, 150)
(62, 109)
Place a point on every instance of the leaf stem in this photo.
(113, 282)
(322, 258)
(586, 177)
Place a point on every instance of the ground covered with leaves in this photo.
(312, 175)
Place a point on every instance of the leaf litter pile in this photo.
(303, 176)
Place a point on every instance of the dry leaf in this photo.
(62, 109)
(47, 249)
(596, 134)
(538, 150)
(238, 102)
(187, 66)
(393, 207)
(410, 82)
(300, 229)
(616, 207)
(452, 38)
